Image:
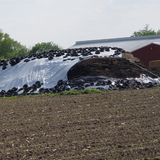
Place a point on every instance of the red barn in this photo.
(146, 48)
(148, 53)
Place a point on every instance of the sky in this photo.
(66, 21)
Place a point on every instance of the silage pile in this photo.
(47, 72)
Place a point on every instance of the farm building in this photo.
(146, 48)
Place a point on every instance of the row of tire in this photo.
(25, 90)
(57, 53)
(63, 86)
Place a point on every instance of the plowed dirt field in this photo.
(108, 125)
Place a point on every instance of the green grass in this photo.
(86, 91)
(71, 92)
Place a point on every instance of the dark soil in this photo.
(110, 67)
(107, 125)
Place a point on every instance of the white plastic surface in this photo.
(48, 72)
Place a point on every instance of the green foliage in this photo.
(71, 92)
(158, 32)
(10, 48)
(2, 57)
(44, 46)
(145, 32)
(86, 91)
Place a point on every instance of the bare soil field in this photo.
(107, 125)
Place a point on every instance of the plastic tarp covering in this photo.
(46, 71)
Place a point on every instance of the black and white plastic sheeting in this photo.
(48, 67)
(47, 73)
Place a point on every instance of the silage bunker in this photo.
(43, 72)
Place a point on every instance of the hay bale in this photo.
(154, 64)
(130, 57)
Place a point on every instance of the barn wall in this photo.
(148, 53)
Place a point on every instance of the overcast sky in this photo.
(66, 21)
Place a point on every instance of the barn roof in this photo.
(158, 43)
(129, 44)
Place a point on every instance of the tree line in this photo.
(146, 31)
(10, 48)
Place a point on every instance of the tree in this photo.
(10, 48)
(158, 32)
(5, 45)
(145, 32)
(44, 47)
